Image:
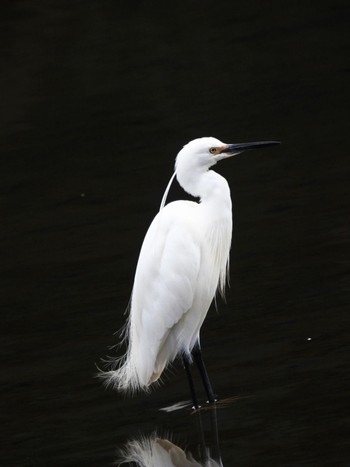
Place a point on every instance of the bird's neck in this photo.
(209, 186)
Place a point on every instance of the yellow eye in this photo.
(213, 150)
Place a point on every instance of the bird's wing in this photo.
(166, 274)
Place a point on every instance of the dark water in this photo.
(97, 98)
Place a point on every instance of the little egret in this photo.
(183, 261)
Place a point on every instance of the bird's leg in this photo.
(197, 356)
(187, 366)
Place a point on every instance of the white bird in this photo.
(184, 259)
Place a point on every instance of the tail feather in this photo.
(125, 378)
(141, 366)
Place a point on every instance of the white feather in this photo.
(183, 260)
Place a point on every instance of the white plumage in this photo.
(183, 257)
(183, 260)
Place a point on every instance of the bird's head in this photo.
(202, 153)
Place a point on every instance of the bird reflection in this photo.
(160, 451)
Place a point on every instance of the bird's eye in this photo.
(213, 150)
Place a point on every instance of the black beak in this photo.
(240, 147)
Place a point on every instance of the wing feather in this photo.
(165, 282)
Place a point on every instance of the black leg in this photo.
(187, 365)
(197, 357)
